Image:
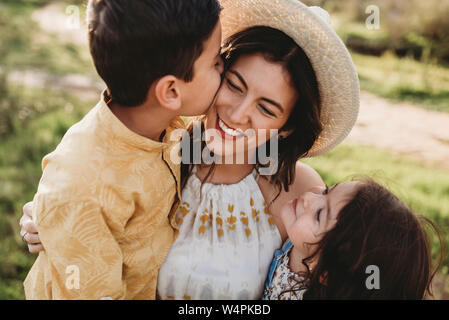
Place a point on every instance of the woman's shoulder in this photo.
(305, 178)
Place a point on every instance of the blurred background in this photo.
(401, 51)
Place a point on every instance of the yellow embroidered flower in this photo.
(184, 211)
(187, 298)
(231, 219)
(231, 208)
(248, 232)
(204, 218)
(271, 221)
(255, 212)
(265, 210)
(220, 232)
(202, 230)
(219, 221)
(244, 220)
(232, 227)
(251, 202)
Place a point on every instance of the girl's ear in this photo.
(168, 93)
(284, 134)
(323, 279)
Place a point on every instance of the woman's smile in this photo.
(226, 131)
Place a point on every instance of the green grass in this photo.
(422, 81)
(24, 46)
(404, 79)
(424, 189)
(35, 122)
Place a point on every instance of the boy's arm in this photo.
(84, 259)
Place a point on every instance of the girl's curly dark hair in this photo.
(374, 228)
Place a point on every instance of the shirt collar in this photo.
(122, 133)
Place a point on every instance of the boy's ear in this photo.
(168, 92)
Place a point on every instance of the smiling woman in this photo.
(229, 219)
(269, 84)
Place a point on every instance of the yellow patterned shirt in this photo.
(102, 210)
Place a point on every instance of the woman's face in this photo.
(314, 213)
(255, 94)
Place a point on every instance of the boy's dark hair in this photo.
(134, 43)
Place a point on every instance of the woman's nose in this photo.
(240, 114)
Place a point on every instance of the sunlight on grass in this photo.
(423, 82)
(404, 80)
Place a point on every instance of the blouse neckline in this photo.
(254, 174)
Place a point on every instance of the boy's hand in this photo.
(28, 230)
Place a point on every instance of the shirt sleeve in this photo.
(84, 259)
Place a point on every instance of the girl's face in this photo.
(314, 213)
(255, 94)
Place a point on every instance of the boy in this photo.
(103, 202)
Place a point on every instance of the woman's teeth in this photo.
(228, 130)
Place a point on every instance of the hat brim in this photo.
(335, 71)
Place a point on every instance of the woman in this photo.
(300, 81)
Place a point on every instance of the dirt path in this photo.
(63, 21)
(403, 128)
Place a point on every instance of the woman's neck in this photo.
(225, 173)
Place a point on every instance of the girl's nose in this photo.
(311, 196)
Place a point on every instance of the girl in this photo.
(339, 236)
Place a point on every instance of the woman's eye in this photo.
(318, 214)
(233, 86)
(265, 109)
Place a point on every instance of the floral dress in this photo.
(281, 279)
(225, 245)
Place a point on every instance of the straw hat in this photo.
(311, 29)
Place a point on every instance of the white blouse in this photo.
(225, 245)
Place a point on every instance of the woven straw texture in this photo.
(336, 74)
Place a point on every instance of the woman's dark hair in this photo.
(133, 43)
(304, 120)
(374, 229)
